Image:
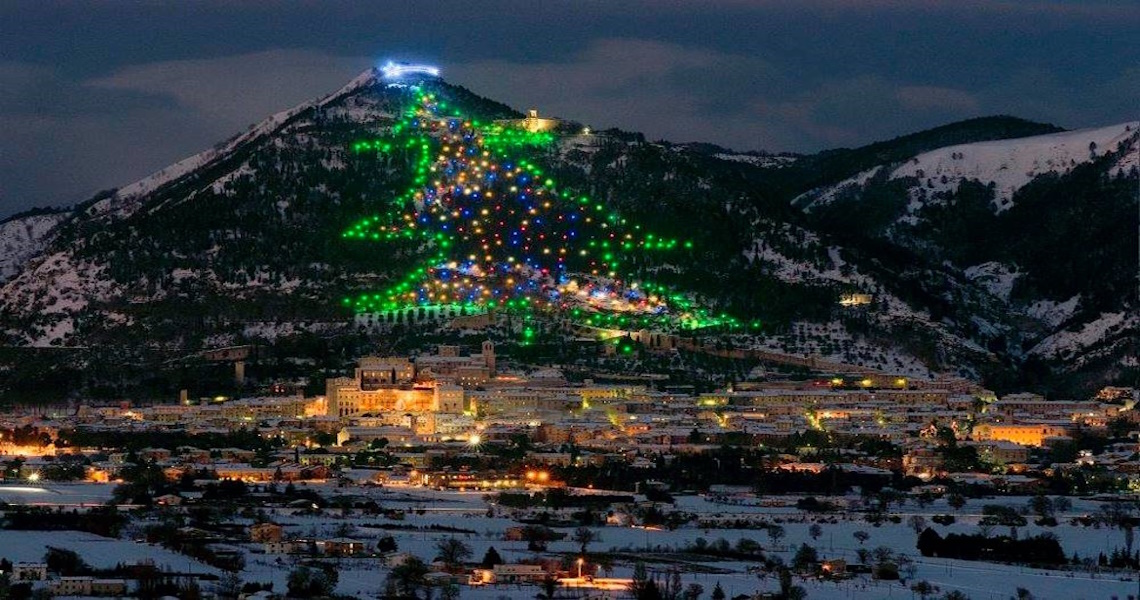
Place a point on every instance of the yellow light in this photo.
(33, 477)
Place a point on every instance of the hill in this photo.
(248, 242)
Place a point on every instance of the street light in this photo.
(581, 561)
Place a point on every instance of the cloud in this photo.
(686, 93)
(1083, 9)
(233, 91)
(36, 90)
(665, 90)
(65, 139)
(927, 97)
(743, 78)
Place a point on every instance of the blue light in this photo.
(395, 71)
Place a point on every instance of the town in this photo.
(633, 300)
(462, 473)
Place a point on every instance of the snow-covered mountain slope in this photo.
(1007, 164)
(127, 199)
(798, 257)
(1040, 227)
(51, 291)
(769, 161)
(250, 232)
(24, 237)
(995, 277)
(250, 222)
(1068, 344)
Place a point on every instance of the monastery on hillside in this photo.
(532, 122)
(398, 385)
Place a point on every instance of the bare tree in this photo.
(1118, 515)
(584, 536)
(452, 552)
(923, 589)
(776, 533)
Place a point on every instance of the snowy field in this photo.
(98, 551)
(364, 577)
(57, 494)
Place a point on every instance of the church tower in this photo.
(489, 357)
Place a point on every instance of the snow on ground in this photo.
(760, 160)
(220, 185)
(831, 341)
(56, 494)
(270, 330)
(1010, 164)
(1007, 164)
(1054, 313)
(23, 238)
(467, 511)
(53, 288)
(820, 197)
(995, 277)
(1067, 342)
(98, 551)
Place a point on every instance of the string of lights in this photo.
(500, 233)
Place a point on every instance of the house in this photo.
(108, 587)
(396, 559)
(168, 500)
(285, 546)
(71, 586)
(1002, 452)
(24, 571)
(517, 573)
(265, 532)
(155, 454)
(1025, 434)
(836, 567)
(340, 547)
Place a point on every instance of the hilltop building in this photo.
(855, 299)
(399, 386)
(532, 122)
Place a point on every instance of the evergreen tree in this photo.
(491, 558)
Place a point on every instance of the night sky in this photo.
(97, 94)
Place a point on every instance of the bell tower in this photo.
(489, 356)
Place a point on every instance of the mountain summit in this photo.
(969, 249)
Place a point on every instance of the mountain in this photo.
(1043, 225)
(25, 235)
(246, 243)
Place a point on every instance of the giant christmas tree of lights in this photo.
(497, 233)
